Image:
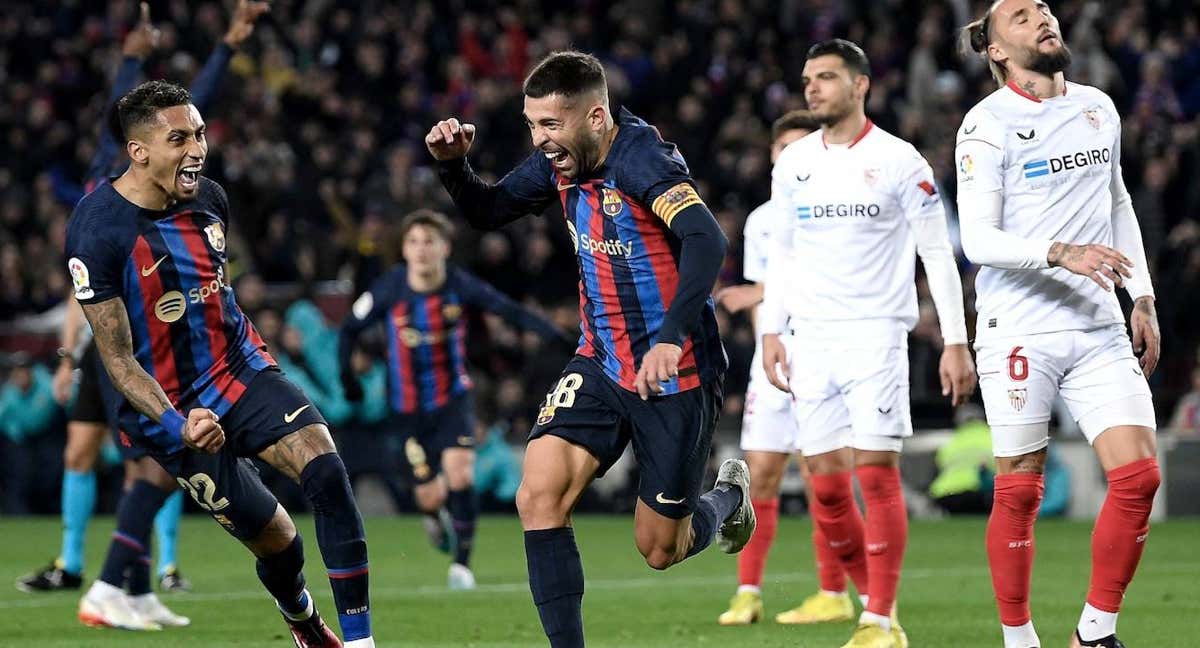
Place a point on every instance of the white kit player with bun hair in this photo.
(1044, 210)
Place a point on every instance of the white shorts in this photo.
(768, 424)
(849, 397)
(1094, 371)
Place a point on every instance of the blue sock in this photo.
(464, 511)
(283, 576)
(78, 501)
(342, 539)
(715, 506)
(130, 546)
(166, 530)
(556, 582)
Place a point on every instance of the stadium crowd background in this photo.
(317, 136)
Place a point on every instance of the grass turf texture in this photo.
(945, 593)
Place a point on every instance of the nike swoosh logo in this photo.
(288, 418)
(564, 187)
(968, 131)
(146, 272)
(466, 441)
(662, 500)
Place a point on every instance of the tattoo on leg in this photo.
(292, 453)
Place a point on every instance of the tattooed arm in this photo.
(110, 329)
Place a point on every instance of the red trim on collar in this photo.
(857, 138)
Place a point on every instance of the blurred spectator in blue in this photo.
(1057, 497)
(497, 467)
(965, 465)
(27, 411)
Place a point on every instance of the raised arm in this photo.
(525, 190)
(241, 26)
(110, 329)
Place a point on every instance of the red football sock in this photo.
(829, 568)
(886, 534)
(1010, 543)
(836, 512)
(753, 558)
(1120, 533)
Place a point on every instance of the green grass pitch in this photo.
(945, 593)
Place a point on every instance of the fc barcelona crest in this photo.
(1017, 398)
(452, 312)
(216, 236)
(1093, 117)
(612, 202)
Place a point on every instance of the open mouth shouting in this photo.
(188, 177)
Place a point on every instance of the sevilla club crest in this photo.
(1093, 117)
(1018, 397)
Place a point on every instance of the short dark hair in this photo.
(794, 120)
(569, 74)
(853, 55)
(139, 106)
(428, 218)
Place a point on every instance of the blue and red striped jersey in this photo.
(426, 333)
(619, 218)
(169, 269)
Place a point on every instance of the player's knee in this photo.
(80, 456)
(660, 555)
(430, 497)
(830, 494)
(276, 536)
(540, 508)
(326, 485)
(1141, 485)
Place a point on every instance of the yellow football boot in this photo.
(898, 634)
(869, 635)
(744, 608)
(821, 607)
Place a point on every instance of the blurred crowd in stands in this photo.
(316, 133)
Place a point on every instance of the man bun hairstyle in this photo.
(851, 54)
(140, 106)
(977, 36)
(569, 74)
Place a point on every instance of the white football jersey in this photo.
(757, 234)
(846, 262)
(1053, 161)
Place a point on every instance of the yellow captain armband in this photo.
(674, 200)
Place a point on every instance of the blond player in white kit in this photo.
(1044, 209)
(840, 297)
(769, 436)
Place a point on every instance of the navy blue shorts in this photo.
(226, 484)
(671, 435)
(423, 436)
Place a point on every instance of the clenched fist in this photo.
(202, 432)
(450, 140)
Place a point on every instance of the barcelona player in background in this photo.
(649, 365)
(423, 304)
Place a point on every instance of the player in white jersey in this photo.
(769, 432)
(1044, 210)
(859, 205)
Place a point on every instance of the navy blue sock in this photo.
(131, 539)
(137, 577)
(715, 506)
(283, 576)
(556, 582)
(464, 510)
(342, 539)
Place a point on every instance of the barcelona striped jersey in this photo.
(168, 267)
(619, 219)
(426, 333)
